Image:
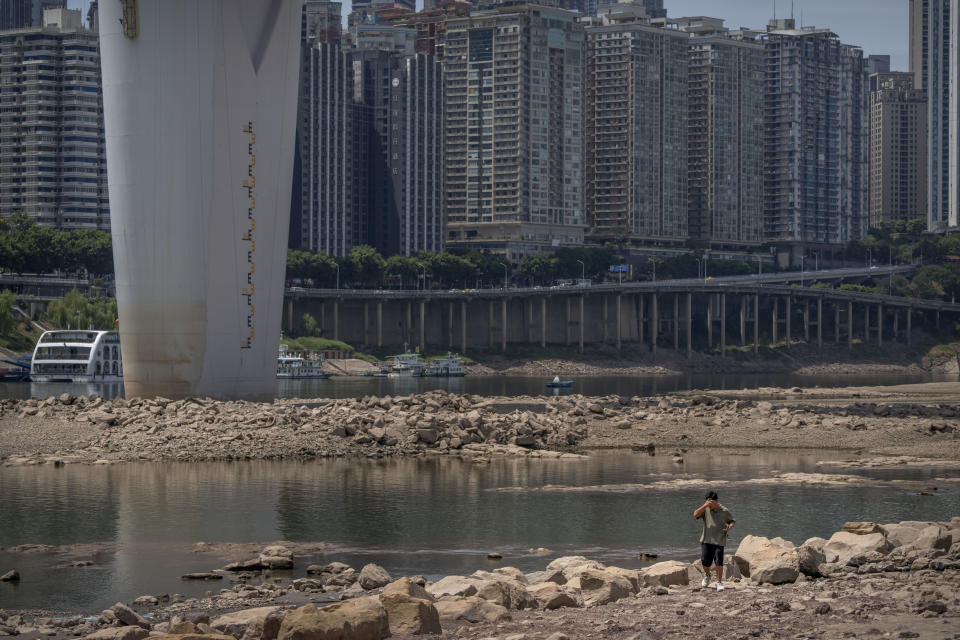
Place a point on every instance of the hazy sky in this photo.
(879, 26)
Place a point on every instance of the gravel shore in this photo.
(912, 420)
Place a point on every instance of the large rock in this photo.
(550, 596)
(407, 614)
(373, 576)
(730, 570)
(768, 561)
(566, 562)
(861, 528)
(665, 574)
(810, 556)
(120, 633)
(471, 609)
(189, 636)
(262, 623)
(453, 586)
(550, 575)
(276, 557)
(510, 594)
(600, 587)
(128, 616)
(847, 545)
(921, 536)
(407, 587)
(632, 576)
(357, 619)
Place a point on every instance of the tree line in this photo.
(26, 247)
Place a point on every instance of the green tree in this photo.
(448, 268)
(74, 311)
(308, 325)
(539, 266)
(365, 265)
(7, 319)
(403, 267)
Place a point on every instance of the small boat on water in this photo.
(292, 365)
(449, 366)
(77, 356)
(403, 365)
(557, 383)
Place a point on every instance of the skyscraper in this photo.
(371, 138)
(815, 149)
(930, 62)
(898, 149)
(20, 14)
(637, 127)
(53, 163)
(726, 133)
(514, 132)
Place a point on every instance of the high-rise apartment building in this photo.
(20, 14)
(636, 127)
(514, 129)
(370, 138)
(53, 163)
(930, 62)
(898, 149)
(726, 83)
(816, 138)
(954, 120)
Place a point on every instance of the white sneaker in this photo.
(705, 582)
(719, 586)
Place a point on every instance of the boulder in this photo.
(262, 623)
(276, 557)
(508, 593)
(471, 609)
(343, 579)
(847, 545)
(10, 576)
(120, 633)
(861, 528)
(600, 587)
(245, 565)
(550, 596)
(190, 636)
(730, 570)
(550, 575)
(128, 616)
(407, 614)
(561, 564)
(632, 576)
(373, 576)
(512, 572)
(768, 561)
(453, 586)
(810, 556)
(922, 536)
(665, 574)
(407, 587)
(333, 567)
(357, 619)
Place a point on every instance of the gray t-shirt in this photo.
(714, 523)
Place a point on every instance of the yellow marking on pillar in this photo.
(130, 19)
(249, 184)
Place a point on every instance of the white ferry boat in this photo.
(77, 356)
(450, 366)
(291, 365)
(402, 365)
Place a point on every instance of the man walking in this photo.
(717, 521)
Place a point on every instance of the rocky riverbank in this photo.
(867, 580)
(69, 429)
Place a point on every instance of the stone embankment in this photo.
(894, 576)
(92, 430)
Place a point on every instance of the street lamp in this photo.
(338, 277)
(869, 258)
(801, 271)
(504, 274)
(698, 267)
(653, 261)
(583, 270)
(423, 285)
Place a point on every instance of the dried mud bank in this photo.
(867, 580)
(900, 421)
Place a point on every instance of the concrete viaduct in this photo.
(682, 315)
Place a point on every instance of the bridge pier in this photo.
(909, 325)
(880, 324)
(723, 325)
(543, 322)
(850, 324)
(744, 302)
(866, 324)
(676, 322)
(776, 321)
(710, 321)
(756, 323)
(490, 326)
(379, 324)
(619, 316)
(641, 320)
(606, 320)
(423, 326)
(582, 297)
(336, 320)
(503, 325)
(806, 320)
(836, 322)
(463, 327)
(450, 326)
(289, 314)
(654, 324)
(789, 335)
(820, 322)
(366, 324)
(567, 335)
(896, 323)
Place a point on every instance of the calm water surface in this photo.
(352, 387)
(429, 517)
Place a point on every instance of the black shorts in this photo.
(711, 554)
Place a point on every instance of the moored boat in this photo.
(449, 366)
(292, 365)
(77, 356)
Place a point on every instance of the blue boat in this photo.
(557, 383)
(19, 370)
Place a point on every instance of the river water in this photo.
(351, 387)
(412, 516)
